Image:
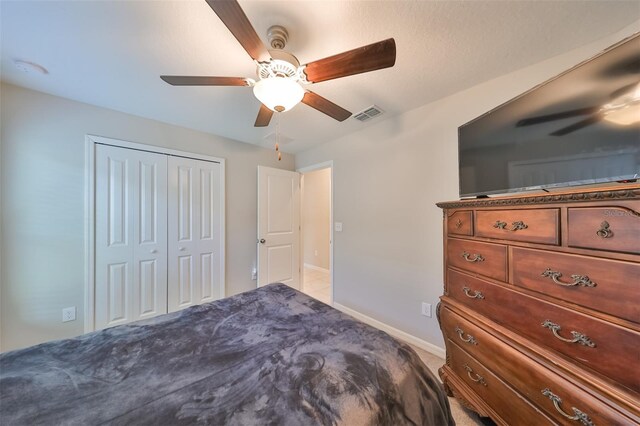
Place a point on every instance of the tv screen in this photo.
(581, 127)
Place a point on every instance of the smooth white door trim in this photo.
(152, 148)
(89, 234)
(314, 167)
(89, 213)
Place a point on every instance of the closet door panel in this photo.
(150, 223)
(194, 240)
(183, 192)
(117, 189)
(114, 238)
(149, 304)
(209, 243)
(131, 278)
(118, 291)
(184, 285)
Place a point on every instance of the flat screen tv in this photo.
(581, 127)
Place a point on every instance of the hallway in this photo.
(317, 284)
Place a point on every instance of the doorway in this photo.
(316, 251)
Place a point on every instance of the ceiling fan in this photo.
(623, 109)
(279, 86)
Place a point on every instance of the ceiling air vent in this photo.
(369, 113)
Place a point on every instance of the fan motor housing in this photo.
(277, 36)
(282, 64)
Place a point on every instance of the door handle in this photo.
(262, 241)
(154, 251)
(181, 248)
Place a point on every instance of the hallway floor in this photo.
(317, 284)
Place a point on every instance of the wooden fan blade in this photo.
(624, 90)
(363, 59)
(234, 18)
(179, 80)
(264, 116)
(579, 125)
(325, 106)
(557, 116)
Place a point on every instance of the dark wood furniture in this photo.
(541, 306)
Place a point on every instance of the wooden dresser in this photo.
(541, 307)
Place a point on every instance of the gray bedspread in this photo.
(271, 356)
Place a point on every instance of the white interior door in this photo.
(278, 227)
(131, 235)
(195, 249)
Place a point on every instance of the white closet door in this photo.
(131, 235)
(194, 233)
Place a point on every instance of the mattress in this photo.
(270, 356)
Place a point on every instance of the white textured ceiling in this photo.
(111, 53)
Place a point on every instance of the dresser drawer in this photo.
(604, 347)
(483, 258)
(460, 223)
(604, 228)
(528, 377)
(605, 285)
(530, 225)
(471, 292)
(513, 409)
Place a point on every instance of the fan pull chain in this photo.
(278, 136)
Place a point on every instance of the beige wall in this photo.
(42, 189)
(386, 181)
(316, 201)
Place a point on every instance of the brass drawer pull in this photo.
(515, 226)
(478, 378)
(604, 230)
(577, 337)
(458, 224)
(476, 294)
(578, 415)
(581, 280)
(475, 258)
(469, 339)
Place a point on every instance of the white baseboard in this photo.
(315, 268)
(422, 344)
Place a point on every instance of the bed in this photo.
(271, 356)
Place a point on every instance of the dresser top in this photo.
(618, 192)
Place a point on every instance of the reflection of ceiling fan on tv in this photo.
(623, 109)
(280, 75)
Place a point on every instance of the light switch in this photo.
(338, 227)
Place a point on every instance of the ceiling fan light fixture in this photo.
(278, 93)
(624, 116)
(625, 109)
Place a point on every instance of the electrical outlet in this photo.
(426, 309)
(315, 252)
(254, 274)
(69, 314)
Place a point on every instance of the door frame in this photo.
(91, 141)
(302, 171)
